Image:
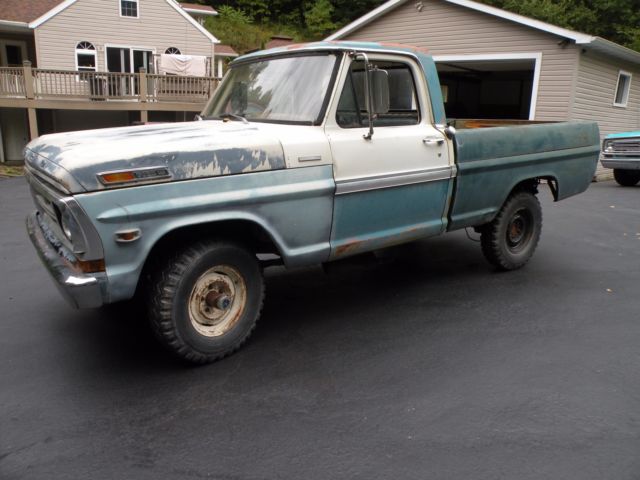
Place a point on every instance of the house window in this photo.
(622, 89)
(172, 51)
(85, 57)
(129, 8)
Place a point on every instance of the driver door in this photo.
(393, 187)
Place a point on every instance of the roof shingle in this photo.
(25, 10)
(225, 50)
(197, 6)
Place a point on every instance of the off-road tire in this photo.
(508, 242)
(171, 300)
(626, 178)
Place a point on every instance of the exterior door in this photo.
(119, 61)
(14, 133)
(141, 59)
(12, 53)
(393, 187)
(127, 60)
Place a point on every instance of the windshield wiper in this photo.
(224, 116)
(234, 116)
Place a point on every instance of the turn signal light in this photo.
(146, 174)
(91, 266)
(126, 236)
(118, 177)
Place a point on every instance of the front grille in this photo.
(623, 148)
(45, 200)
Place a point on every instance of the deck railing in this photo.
(36, 83)
(12, 82)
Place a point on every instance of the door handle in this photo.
(433, 142)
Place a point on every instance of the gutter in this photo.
(195, 11)
(14, 26)
(613, 49)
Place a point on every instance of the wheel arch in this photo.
(472, 209)
(248, 233)
(531, 185)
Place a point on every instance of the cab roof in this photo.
(334, 45)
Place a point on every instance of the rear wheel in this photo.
(508, 242)
(205, 302)
(626, 178)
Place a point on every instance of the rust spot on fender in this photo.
(349, 248)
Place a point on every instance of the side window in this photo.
(85, 57)
(403, 103)
(622, 89)
(129, 8)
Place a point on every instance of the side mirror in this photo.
(239, 94)
(379, 91)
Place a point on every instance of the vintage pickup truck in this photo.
(304, 155)
(621, 151)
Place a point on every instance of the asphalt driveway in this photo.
(426, 365)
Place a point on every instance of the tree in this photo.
(615, 20)
(346, 11)
(234, 27)
(318, 18)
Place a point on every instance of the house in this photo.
(84, 61)
(199, 12)
(278, 41)
(495, 64)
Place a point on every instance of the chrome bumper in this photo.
(631, 164)
(80, 289)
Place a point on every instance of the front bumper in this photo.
(631, 164)
(81, 290)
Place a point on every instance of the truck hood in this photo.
(170, 152)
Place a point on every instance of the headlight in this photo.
(71, 230)
(66, 220)
(607, 147)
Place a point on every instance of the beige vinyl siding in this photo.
(595, 92)
(446, 29)
(158, 26)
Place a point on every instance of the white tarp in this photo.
(193, 65)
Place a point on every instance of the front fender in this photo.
(293, 206)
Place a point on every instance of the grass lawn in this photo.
(6, 172)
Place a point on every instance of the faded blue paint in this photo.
(426, 63)
(368, 220)
(492, 161)
(293, 206)
(187, 150)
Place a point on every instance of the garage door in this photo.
(488, 89)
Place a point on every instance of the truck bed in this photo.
(492, 160)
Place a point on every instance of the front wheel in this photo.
(626, 178)
(508, 242)
(205, 302)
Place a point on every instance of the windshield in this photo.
(289, 89)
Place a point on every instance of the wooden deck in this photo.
(35, 88)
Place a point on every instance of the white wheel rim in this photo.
(217, 301)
